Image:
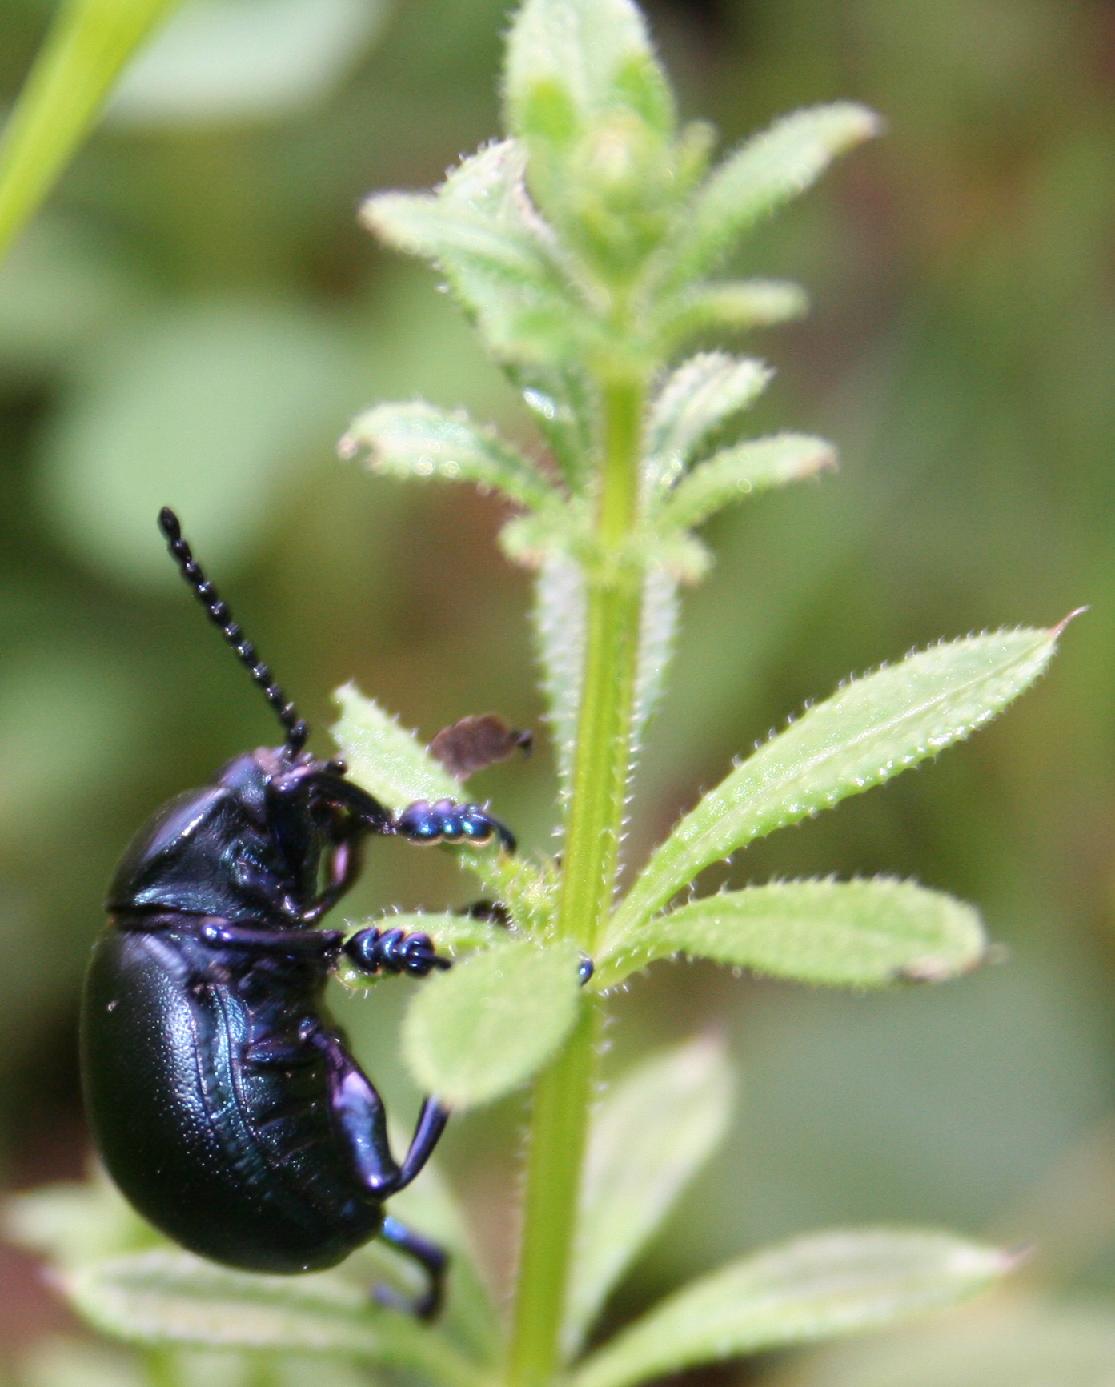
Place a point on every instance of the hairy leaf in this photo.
(392, 764)
(650, 1136)
(738, 472)
(730, 306)
(424, 224)
(559, 621)
(418, 440)
(480, 1031)
(814, 1288)
(868, 731)
(570, 62)
(696, 399)
(172, 1298)
(850, 934)
(382, 756)
(766, 171)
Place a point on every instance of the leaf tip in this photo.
(1056, 632)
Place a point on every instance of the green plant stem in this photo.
(563, 1094)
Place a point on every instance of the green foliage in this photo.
(171, 1298)
(821, 1287)
(651, 1134)
(483, 1029)
(88, 46)
(581, 248)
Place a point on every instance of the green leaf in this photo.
(559, 628)
(744, 470)
(70, 1223)
(1034, 1343)
(421, 441)
(726, 307)
(696, 399)
(868, 731)
(571, 61)
(848, 934)
(481, 1030)
(172, 1298)
(393, 765)
(88, 45)
(765, 172)
(596, 115)
(814, 1288)
(427, 225)
(382, 756)
(650, 1136)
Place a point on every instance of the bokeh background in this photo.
(196, 315)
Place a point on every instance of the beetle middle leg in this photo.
(430, 1257)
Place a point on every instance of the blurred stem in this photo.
(88, 45)
(563, 1094)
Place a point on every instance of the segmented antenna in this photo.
(297, 730)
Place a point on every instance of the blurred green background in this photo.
(196, 315)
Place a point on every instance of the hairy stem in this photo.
(563, 1094)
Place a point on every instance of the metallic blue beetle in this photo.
(222, 1098)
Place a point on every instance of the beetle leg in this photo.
(219, 934)
(345, 862)
(375, 950)
(328, 787)
(429, 1256)
(358, 1109)
(446, 821)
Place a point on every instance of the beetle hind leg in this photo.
(430, 1257)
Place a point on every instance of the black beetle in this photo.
(222, 1098)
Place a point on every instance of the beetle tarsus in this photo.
(430, 1257)
(446, 821)
(375, 951)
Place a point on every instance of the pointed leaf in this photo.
(478, 1032)
(868, 731)
(424, 224)
(498, 256)
(559, 632)
(658, 628)
(814, 1288)
(569, 62)
(650, 1136)
(382, 756)
(765, 172)
(172, 1298)
(848, 934)
(418, 440)
(733, 306)
(697, 398)
(391, 764)
(744, 470)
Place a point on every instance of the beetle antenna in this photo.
(297, 729)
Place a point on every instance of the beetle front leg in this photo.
(446, 821)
